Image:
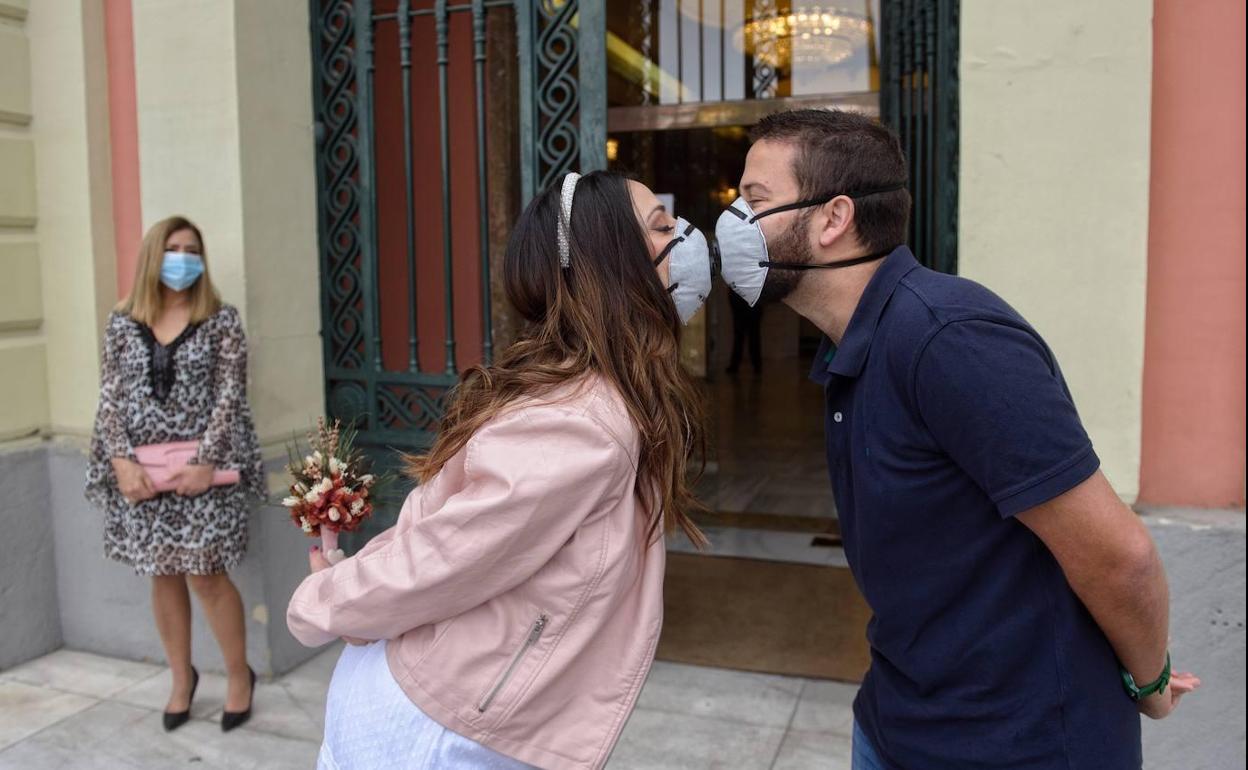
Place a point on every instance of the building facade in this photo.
(355, 167)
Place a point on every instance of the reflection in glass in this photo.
(687, 51)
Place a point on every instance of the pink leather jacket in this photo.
(524, 595)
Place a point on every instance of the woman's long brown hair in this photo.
(607, 314)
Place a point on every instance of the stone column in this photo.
(27, 571)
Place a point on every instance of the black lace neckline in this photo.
(162, 371)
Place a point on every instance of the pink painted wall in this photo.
(124, 139)
(1193, 426)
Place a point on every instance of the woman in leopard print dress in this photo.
(175, 369)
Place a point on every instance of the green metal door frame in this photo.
(561, 52)
(561, 46)
(919, 100)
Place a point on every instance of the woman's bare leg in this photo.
(224, 608)
(171, 604)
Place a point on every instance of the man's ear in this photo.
(836, 220)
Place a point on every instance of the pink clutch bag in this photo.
(161, 461)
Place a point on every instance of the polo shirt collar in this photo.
(848, 358)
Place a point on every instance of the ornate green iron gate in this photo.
(561, 124)
(919, 100)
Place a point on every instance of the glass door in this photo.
(686, 79)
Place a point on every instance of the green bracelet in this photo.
(1152, 688)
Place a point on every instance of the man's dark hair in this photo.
(842, 153)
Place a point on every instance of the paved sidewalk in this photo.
(77, 710)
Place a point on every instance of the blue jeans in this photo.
(864, 756)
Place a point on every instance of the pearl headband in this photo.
(569, 190)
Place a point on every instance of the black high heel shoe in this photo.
(232, 719)
(175, 719)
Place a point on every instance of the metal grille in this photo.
(563, 101)
(396, 397)
(920, 101)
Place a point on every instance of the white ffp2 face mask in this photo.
(743, 247)
(689, 269)
(742, 251)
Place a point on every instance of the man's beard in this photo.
(792, 247)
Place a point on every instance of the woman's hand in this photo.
(132, 481)
(316, 559)
(318, 562)
(192, 480)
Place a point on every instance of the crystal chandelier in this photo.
(811, 34)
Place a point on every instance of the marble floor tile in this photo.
(732, 494)
(118, 735)
(293, 708)
(276, 708)
(308, 684)
(826, 707)
(735, 696)
(777, 500)
(276, 711)
(308, 695)
(81, 672)
(659, 740)
(757, 544)
(153, 694)
(319, 669)
(813, 751)
(27, 709)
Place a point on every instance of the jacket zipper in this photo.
(535, 633)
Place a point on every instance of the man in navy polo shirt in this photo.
(1020, 608)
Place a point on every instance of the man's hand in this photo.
(1163, 704)
(192, 480)
(318, 562)
(132, 481)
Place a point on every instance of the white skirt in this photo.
(371, 723)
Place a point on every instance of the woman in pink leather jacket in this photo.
(510, 616)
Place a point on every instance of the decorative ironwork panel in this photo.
(396, 409)
(920, 101)
(564, 127)
(563, 106)
(344, 309)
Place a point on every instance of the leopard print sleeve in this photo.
(216, 447)
(110, 422)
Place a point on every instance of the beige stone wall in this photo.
(226, 138)
(75, 238)
(280, 241)
(1053, 215)
(23, 344)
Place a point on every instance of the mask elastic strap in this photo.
(666, 250)
(671, 245)
(829, 265)
(824, 199)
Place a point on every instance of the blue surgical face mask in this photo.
(181, 270)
